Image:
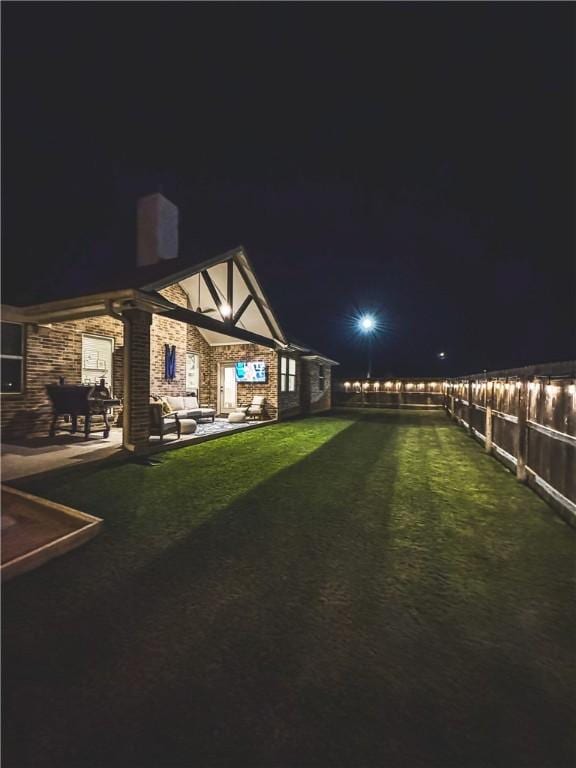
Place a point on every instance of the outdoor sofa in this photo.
(187, 408)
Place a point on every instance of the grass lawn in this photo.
(363, 590)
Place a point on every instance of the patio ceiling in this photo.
(228, 291)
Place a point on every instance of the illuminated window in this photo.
(12, 358)
(97, 354)
(287, 374)
(321, 378)
(192, 372)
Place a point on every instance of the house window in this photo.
(12, 358)
(192, 372)
(287, 374)
(97, 354)
(321, 379)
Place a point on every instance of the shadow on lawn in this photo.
(206, 656)
(422, 417)
(281, 633)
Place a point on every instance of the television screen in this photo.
(251, 372)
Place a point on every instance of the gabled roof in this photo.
(204, 282)
(227, 281)
(226, 287)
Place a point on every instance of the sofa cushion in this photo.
(175, 403)
(190, 402)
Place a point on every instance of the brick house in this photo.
(211, 315)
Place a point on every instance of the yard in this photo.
(366, 590)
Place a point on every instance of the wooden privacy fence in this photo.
(390, 393)
(525, 417)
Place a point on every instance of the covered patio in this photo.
(170, 346)
(148, 345)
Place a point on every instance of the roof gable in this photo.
(225, 288)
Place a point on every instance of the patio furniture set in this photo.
(183, 414)
(168, 415)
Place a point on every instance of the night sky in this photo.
(415, 160)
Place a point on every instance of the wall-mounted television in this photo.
(251, 372)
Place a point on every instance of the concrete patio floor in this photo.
(45, 454)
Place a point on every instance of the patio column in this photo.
(136, 379)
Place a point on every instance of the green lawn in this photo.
(361, 590)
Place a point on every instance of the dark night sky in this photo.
(413, 159)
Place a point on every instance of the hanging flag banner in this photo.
(169, 362)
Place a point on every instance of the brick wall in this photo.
(186, 338)
(231, 353)
(314, 399)
(195, 342)
(290, 404)
(167, 331)
(52, 352)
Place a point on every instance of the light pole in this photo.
(367, 326)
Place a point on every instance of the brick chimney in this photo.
(157, 230)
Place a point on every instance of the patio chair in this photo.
(163, 423)
(256, 408)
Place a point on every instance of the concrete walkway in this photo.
(44, 454)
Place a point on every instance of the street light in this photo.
(367, 325)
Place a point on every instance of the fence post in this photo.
(521, 433)
(470, 408)
(489, 397)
